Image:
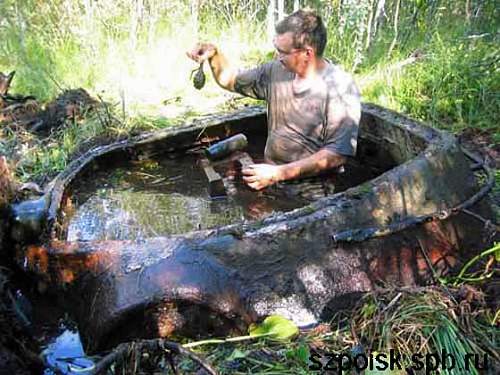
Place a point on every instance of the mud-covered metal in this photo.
(226, 147)
(198, 77)
(286, 264)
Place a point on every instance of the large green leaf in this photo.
(275, 327)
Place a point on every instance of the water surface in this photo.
(163, 197)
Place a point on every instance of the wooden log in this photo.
(5, 81)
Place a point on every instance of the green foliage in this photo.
(275, 327)
(491, 255)
(457, 88)
(381, 365)
(134, 51)
(409, 321)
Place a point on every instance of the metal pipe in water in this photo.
(226, 147)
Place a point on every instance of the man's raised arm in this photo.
(222, 70)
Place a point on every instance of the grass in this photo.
(135, 60)
(453, 89)
(409, 322)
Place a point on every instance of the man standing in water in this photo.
(313, 106)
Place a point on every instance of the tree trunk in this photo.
(396, 18)
(271, 11)
(281, 9)
(378, 19)
(195, 6)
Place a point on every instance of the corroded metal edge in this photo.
(435, 139)
(287, 263)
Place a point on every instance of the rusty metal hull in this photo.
(396, 229)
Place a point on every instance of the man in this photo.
(313, 106)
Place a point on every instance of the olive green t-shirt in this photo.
(301, 121)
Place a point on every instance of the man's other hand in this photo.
(202, 52)
(259, 176)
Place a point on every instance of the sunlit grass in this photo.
(141, 69)
(142, 78)
(454, 86)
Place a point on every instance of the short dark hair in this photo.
(307, 28)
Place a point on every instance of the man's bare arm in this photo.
(258, 176)
(321, 161)
(222, 70)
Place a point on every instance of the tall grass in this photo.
(132, 53)
(455, 86)
(134, 50)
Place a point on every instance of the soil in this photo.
(483, 143)
(26, 113)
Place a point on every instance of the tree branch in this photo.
(123, 349)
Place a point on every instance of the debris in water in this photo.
(65, 355)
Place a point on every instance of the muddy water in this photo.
(57, 335)
(163, 197)
(64, 353)
(135, 200)
(158, 197)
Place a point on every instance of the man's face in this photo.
(292, 58)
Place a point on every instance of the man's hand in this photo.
(224, 73)
(259, 176)
(202, 52)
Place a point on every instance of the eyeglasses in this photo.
(280, 53)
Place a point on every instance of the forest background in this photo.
(434, 60)
(132, 53)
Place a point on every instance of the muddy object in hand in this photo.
(226, 147)
(199, 77)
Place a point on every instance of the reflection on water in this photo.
(153, 198)
(115, 214)
(65, 355)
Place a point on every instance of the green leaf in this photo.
(275, 327)
(237, 354)
(303, 353)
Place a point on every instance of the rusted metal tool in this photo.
(226, 147)
(222, 153)
(216, 186)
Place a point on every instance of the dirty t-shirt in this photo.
(303, 120)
